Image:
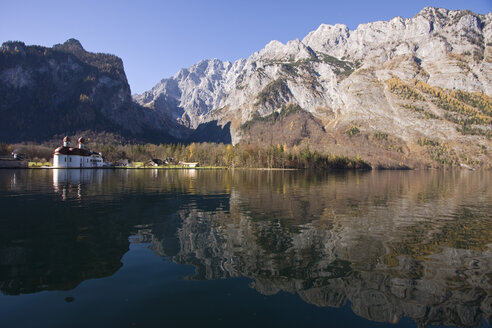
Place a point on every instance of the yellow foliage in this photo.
(460, 61)
(83, 98)
(191, 151)
(476, 106)
(229, 155)
(449, 102)
(475, 99)
(404, 90)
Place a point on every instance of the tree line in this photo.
(226, 155)
(209, 154)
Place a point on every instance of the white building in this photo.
(68, 157)
(187, 164)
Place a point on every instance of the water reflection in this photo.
(71, 182)
(390, 244)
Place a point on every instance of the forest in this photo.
(206, 154)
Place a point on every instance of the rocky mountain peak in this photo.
(385, 76)
(441, 17)
(433, 13)
(64, 89)
(291, 51)
(327, 37)
(71, 45)
(14, 47)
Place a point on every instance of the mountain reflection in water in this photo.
(390, 244)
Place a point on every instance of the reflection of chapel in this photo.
(69, 157)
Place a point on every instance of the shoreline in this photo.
(245, 168)
(15, 164)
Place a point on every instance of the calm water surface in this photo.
(156, 248)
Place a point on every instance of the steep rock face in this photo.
(341, 77)
(191, 94)
(64, 89)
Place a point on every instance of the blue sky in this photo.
(157, 38)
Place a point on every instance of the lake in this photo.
(245, 248)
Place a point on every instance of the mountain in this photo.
(406, 92)
(65, 89)
(413, 91)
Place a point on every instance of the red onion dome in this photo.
(62, 151)
(79, 152)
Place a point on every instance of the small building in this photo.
(122, 162)
(188, 164)
(16, 154)
(68, 157)
(154, 162)
(169, 160)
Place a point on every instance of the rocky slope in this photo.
(410, 91)
(65, 89)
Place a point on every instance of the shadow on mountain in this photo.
(211, 132)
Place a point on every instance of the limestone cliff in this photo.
(65, 89)
(406, 89)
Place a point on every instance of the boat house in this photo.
(68, 157)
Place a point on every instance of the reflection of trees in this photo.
(46, 244)
(58, 254)
(393, 244)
